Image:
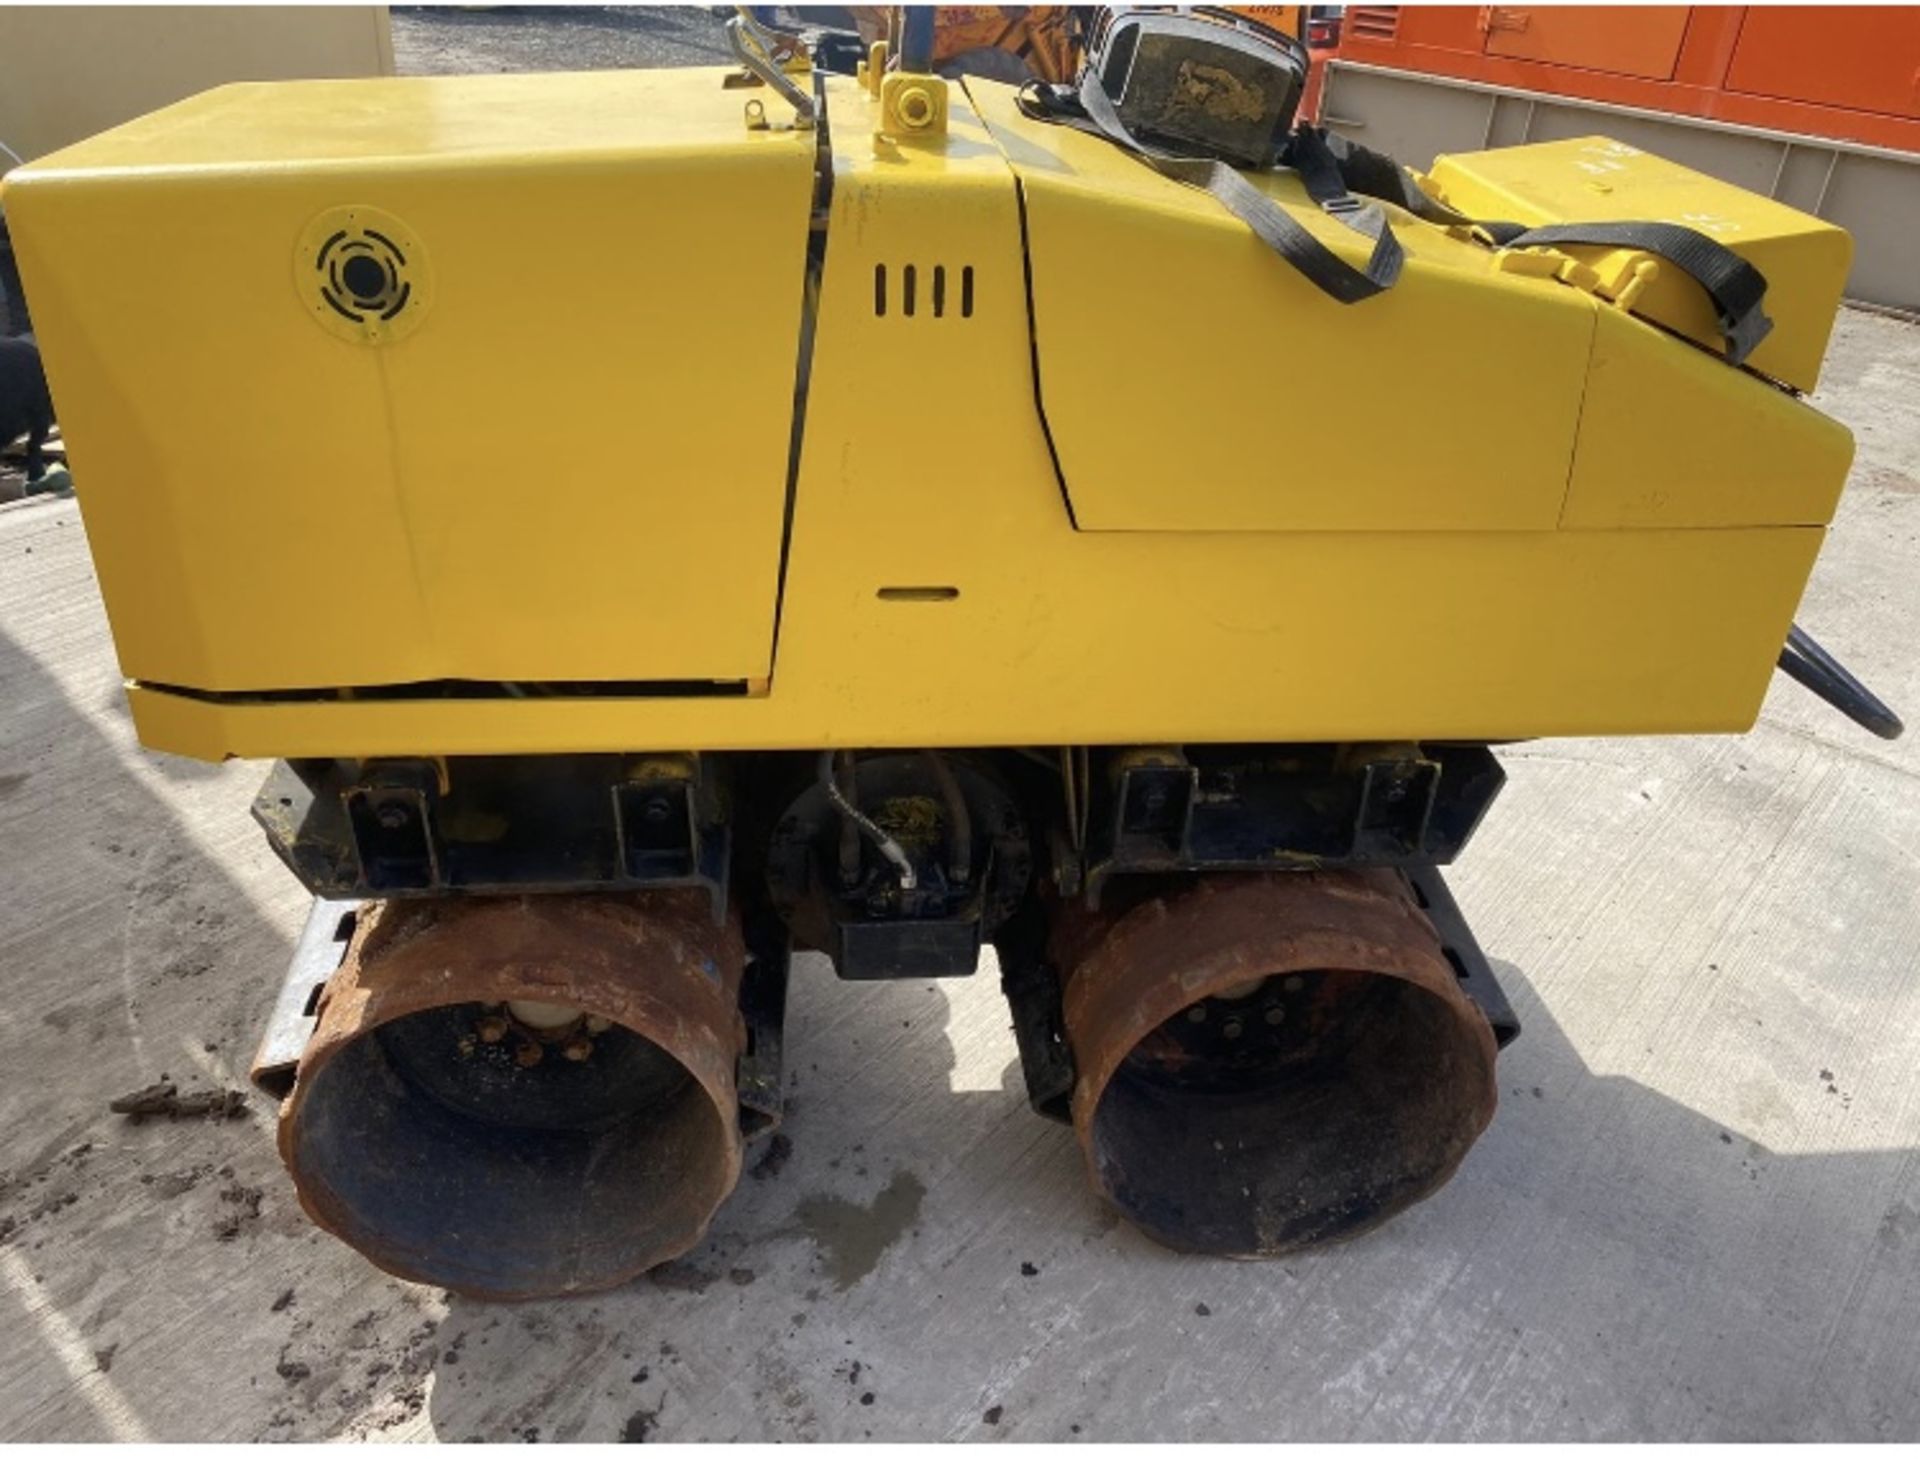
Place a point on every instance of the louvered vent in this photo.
(1374, 22)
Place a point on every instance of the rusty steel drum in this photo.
(523, 1096)
(1269, 1061)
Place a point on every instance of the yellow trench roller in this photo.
(661, 520)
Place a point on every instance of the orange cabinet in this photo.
(1847, 73)
(1864, 59)
(1640, 41)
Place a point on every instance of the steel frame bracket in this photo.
(316, 957)
(1278, 808)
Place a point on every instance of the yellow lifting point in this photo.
(913, 106)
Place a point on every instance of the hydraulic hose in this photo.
(888, 847)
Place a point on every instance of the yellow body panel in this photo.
(1707, 447)
(1191, 382)
(1595, 179)
(526, 486)
(937, 590)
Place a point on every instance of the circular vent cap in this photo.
(363, 274)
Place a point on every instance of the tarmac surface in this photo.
(1695, 1216)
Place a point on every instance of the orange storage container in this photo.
(1845, 72)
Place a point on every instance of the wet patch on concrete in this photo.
(851, 1237)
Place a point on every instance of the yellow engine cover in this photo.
(521, 453)
(1080, 461)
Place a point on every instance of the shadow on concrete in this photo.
(821, 1207)
(1629, 1246)
(177, 768)
(126, 952)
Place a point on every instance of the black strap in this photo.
(1735, 286)
(1270, 222)
(1337, 173)
(1327, 162)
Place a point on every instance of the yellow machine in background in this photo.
(1171, 680)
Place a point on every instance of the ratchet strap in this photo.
(1338, 174)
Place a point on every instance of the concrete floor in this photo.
(1697, 1214)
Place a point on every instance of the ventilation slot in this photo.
(942, 593)
(911, 302)
(1374, 22)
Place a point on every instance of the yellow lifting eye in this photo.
(916, 107)
(363, 275)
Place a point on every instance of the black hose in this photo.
(959, 819)
(888, 847)
(1808, 664)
